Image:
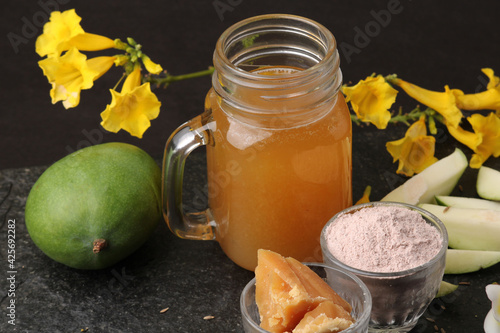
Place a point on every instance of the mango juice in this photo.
(275, 188)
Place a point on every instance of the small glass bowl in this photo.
(398, 298)
(348, 286)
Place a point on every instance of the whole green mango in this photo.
(96, 206)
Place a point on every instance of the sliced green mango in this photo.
(467, 261)
(469, 228)
(446, 288)
(463, 202)
(488, 183)
(438, 179)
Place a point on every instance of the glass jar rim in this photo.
(326, 37)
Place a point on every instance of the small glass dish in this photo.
(398, 298)
(348, 286)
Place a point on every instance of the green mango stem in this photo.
(99, 244)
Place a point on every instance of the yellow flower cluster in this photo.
(69, 72)
(372, 98)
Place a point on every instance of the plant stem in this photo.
(193, 75)
(406, 118)
(119, 81)
(165, 81)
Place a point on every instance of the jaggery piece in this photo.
(286, 290)
(281, 298)
(325, 318)
(315, 285)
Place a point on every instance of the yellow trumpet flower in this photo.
(132, 108)
(371, 99)
(71, 73)
(63, 31)
(485, 100)
(366, 196)
(415, 151)
(445, 103)
(484, 141)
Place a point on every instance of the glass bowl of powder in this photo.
(397, 250)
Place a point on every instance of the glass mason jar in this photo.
(277, 133)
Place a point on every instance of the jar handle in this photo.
(190, 135)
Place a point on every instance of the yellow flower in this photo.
(485, 141)
(366, 196)
(132, 108)
(485, 100)
(151, 67)
(494, 80)
(91, 42)
(72, 73)
(63, 31)
(415, 151)
(371, 99)
(443, 102)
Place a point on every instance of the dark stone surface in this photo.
(193, 279)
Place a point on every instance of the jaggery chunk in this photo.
(325, 318)
(315, 285)
(286, 290)
(280, 296)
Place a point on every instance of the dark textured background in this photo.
(430, 43)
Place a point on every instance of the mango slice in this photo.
(438, 179)
(286, 290)
(326, 317)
